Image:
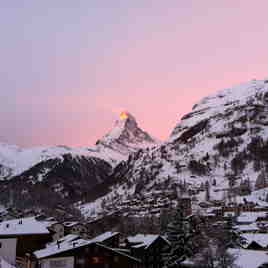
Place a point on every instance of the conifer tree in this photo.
(231, 237)
(179, 236)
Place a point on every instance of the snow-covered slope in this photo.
(222, 142)
(124, 138)
(251, 96)
(15, 160)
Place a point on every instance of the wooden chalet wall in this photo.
(29, 243)
(95, 255)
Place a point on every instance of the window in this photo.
(97, 260)
(81, 261)
(58, 263)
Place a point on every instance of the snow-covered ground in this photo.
(249, 258)
(24, 226)
(5, 264)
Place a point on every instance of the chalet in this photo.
(229, 214)
(73, 252)
(204, 204)
(219, 213)
(263, 218)
(256, 241)
(110, 239)
(57, 229)
(21, 236)
(248, 228)
(244, 207)
(74, 228)
(148, 248)
(249, 217)
(263, 226)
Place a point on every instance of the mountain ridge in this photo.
(223, 141)
(113, 148)
(62, 175)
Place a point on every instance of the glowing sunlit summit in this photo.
(126, 135)
(123, 115)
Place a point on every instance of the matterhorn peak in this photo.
(126, 120)
(126, 136)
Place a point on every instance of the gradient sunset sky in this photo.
(68, 67)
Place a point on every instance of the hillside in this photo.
(221, 144)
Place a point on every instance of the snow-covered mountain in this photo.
(66, 174)
(126, 136)
(15, 160)
(222, 142)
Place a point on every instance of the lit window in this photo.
(97, 260)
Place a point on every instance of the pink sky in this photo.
(69, 67)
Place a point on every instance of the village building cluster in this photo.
(39, 242)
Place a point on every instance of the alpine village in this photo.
(197, 199)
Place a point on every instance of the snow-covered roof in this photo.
(247, 227)
(261, 239)
(53, 249)
(229, 214)
(24, 226)
(104, 236)
(250, 216)
(65, 239)
(212, 209)
(120, 252)
(70, 223)
(249, 258)
(5, 264)
(142, 240)
(70, 242)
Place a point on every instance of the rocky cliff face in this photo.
(222, 143)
